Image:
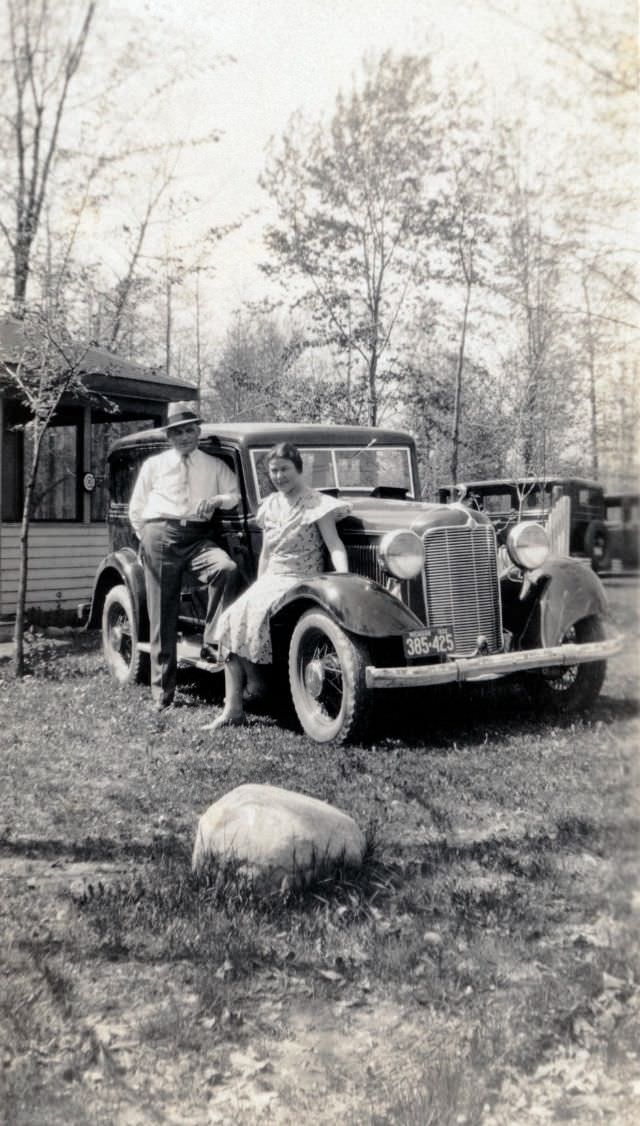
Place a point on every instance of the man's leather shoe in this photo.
(210, 653)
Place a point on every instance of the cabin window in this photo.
(12, 472)
(56, 494)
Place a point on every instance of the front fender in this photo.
(120, 566)
(359, 605)
(568, 592)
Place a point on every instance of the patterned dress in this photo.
(296, 552)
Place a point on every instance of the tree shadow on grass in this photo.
(95, 849)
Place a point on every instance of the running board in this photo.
(188, 654)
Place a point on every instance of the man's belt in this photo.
(176, 520)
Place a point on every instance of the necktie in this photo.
(184, 465)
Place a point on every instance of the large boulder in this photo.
(274, 835)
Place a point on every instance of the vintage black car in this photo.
(426, 602)
(506, 501)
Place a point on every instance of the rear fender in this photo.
(566, 592)
(359, 605)
(121, 566)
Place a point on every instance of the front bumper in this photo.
(489, 668)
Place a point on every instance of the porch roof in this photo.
(104, 371)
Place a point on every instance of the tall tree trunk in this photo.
(457, 403)
(167, 332)
(21, 257)
(198, 340)
(591, 369)
(372, 390)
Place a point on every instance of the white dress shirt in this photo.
(170, 487)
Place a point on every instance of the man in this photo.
(174, 497)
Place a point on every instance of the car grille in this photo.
(363, 560)
(461, 585)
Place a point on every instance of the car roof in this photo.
(512, 482)
(269, 433)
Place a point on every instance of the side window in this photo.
(103, 435)
(533, 499)
(123, 470)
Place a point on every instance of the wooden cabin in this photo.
(68, 534)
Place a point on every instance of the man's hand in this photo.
(206, 508)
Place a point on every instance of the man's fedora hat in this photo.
(178, 415)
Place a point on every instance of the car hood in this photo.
(373, 515)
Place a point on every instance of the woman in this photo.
(297, 523)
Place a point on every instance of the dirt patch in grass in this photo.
(482, 969)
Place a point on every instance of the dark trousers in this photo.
(168, 550)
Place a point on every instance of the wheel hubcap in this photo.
(320, 676)
(314, 678)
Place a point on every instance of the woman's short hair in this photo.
(288, 452)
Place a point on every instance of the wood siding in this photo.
(63, 559)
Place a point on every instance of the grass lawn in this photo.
(481, 969)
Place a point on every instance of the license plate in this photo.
(428, 643)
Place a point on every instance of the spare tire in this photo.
(596, 545)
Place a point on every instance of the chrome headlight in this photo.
(401, 553)
(528, 545)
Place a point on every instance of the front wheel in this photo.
(120, 638)
(571, 688)
(327, 678)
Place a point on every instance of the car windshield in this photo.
(348, 469)
(496, 502)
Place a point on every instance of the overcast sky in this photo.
(288, 55)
